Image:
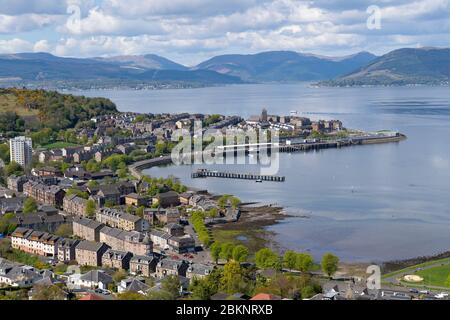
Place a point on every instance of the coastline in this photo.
(250, 229)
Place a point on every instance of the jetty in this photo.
(204, 173)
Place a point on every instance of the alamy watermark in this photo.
(374, 279)
(229, 146)
(374, 20)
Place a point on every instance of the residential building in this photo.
(119, 219)
(75, 205)
(166, 199)
(15, 183)
(136, 285)
(35, 242)
(112, 193)
(11, 205)
(66, 250)
(130, 241)
(40, 221)
(21, 150)
(89, 253)
(15, 275)
(134, 199)
(143, 265)
(51, 195)
(180, 244)
(162, 216)
(51, 155)
(170, 267)
(198, 270)
(91, 280)
(174, 229)
(160, 239)
(116, 259)
(86, 228)
(185, 196)
(46, 172)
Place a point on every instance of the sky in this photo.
(191, 31)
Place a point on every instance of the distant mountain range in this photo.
(44, 66)
(424, 66)
(148, 61)
(282, 66)
(399, 67)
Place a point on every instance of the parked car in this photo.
(441, 295)
(414, 290)
(101, 291)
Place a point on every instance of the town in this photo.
(79, 219)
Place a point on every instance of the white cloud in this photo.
(41, 46)
(15, 45)
(192, 30)
(26, 22)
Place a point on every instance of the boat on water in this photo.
(258, 181)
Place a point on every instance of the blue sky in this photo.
(189, 31)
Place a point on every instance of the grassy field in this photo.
(437, 276)
(59, 145)
(8, 102)
(413, 268)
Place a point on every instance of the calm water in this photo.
(365, 203)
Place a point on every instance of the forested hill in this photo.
(23, 108)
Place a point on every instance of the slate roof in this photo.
(200, 269)
(97, 276)
(90, 246)
(87, 222)
(136, 285)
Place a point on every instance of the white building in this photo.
(21, 149)
(90, 280)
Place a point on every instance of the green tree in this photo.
(170, 289)
(159, 295)
(201, 289)
(215, 250)
(304, 262)
(329, 264)
(92, 184)
(290, 259)
(129, 295)
(235, 202)
(4, 152)
(93, 166)
(122, 173)
(6, 223)
(226, 251)
(29, 206)
(13, 168)
(64, 230)
(213, 213)
(140, 211)
(119, 275)
(79, 193)
(90, 208)
(267, 259)
(240, 253)
(232, 277)
(223, 200)
(42, 292)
